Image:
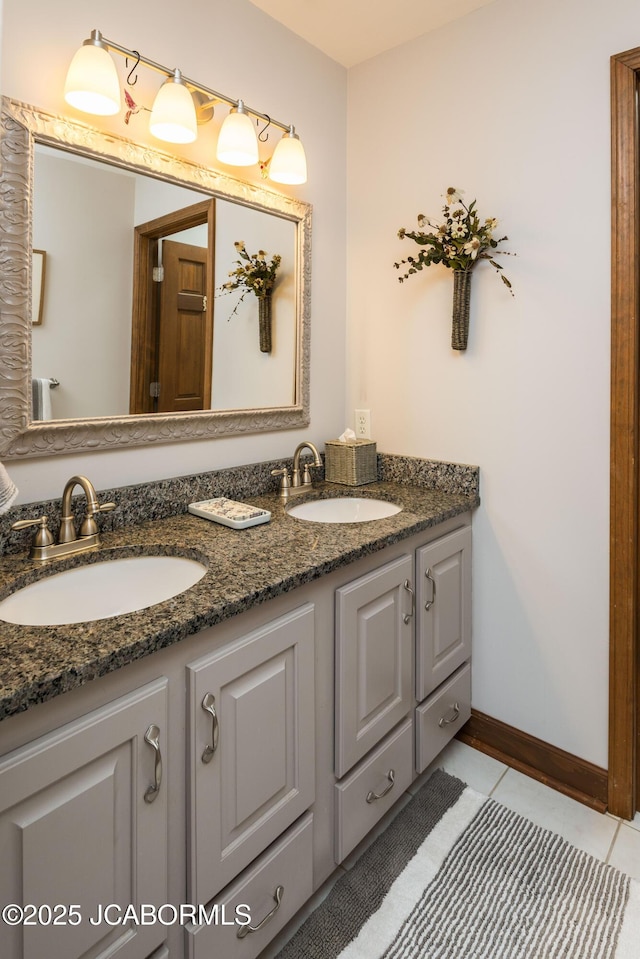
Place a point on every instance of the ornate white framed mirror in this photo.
(89, 341)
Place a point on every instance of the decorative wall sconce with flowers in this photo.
(459, 243)
(254, 273)
(93, 86)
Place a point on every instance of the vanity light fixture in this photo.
(237, 140)
(92, 83)
(288, 163)
(173, 116)
(92, 86)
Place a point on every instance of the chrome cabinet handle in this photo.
(245, 930)
(152, 736)
(447, 722)
(407, 616)
(209, 706)
(391, 776)
(430, 602)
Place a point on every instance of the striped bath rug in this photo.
(459, 876)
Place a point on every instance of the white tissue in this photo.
(347, 437)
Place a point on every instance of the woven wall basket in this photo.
(264, 320)
(461, 300)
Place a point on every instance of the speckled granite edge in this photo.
(429, 474)
(160, 499)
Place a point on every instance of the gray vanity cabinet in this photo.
(83, 825)
(443, 642)
(374, 651)
(443, 622)
(251, 741)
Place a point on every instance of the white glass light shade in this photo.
(237, 140)
(173, 116)
(92, 83)
(288, 163)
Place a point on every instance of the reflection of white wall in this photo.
(82, 219)
(155, 198)
(243, 377)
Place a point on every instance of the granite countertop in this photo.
(244, 568)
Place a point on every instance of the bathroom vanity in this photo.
(236, 742)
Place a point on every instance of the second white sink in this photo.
(101, 590)
(344, 509)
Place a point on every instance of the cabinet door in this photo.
(443, 584)
(75, 830)
(251, 747)
(374, 632)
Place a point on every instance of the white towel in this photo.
(8, 490)
(41, 389)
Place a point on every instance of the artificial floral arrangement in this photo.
(459, 243)
(255, 274)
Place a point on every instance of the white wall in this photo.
(510, 104)
(233, 47)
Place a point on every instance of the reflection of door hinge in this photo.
(158, 274)
(154, 390)
(204, 303)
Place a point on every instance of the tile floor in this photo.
(608, 838)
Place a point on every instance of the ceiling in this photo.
(351, 31)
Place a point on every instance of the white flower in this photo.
(423, 220)
(452, 195)
(491, 223)
(473, 247)
(458, 230)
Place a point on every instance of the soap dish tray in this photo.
(229, 512)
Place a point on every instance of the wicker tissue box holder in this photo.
(353, 464)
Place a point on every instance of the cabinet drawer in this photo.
(357, 811)
(440, 717)
(287, 865)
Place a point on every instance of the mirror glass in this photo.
(110, 221)
(85, 214)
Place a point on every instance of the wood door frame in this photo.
(625, 432)
(143, 327)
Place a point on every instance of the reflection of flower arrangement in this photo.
(459, 243)
(253, 272)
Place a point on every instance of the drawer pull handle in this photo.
(447, 722)
(152, 736)
(407, 616)
(391, 776)
(431, 601)
(245, 930)
(209, 706)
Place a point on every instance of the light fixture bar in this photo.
(214, 94)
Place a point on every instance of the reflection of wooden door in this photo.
(181, 354)
(185, 330)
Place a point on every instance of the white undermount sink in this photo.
(101, 590)
(344, 509)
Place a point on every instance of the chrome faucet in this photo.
(291, 485)
(70, 541)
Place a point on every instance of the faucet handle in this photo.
(285, 482)
(306, 476)
(43, 536)
(89, 526)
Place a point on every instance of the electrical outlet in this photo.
(363, 424)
